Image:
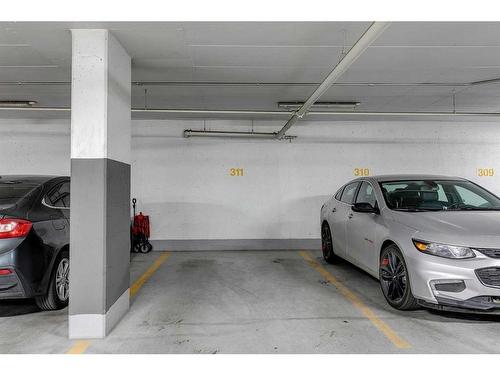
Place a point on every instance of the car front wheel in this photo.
(394, 279)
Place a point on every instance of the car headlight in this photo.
(445, 251)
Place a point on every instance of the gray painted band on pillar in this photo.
(118, 230)
(100, 234)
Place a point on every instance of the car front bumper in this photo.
(480, 305)
(428, 271)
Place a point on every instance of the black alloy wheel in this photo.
(327, 244)
(394, 279)
(57, 296)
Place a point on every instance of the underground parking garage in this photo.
(239, 142)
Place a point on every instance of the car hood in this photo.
(466, 228)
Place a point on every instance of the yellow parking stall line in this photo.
(82, 345)
(357, 302)
(146, 275)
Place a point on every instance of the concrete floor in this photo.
(251, 302)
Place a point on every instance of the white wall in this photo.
(34, 146)
(185, 186)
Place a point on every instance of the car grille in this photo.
(492, 253)
(489, 276)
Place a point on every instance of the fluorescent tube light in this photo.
(17, 103)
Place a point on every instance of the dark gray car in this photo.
(34, 239)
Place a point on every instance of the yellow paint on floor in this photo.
(81, 346)
(146, 275)
(357, 302)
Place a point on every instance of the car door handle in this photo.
(350, 215)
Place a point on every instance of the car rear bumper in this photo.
(11, 287)
(15, 284)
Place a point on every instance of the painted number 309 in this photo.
(360, 172)
(485, 172)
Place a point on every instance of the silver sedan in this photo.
(431, 241)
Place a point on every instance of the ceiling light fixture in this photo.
(293, 106)
(17, 103)
(188, 133)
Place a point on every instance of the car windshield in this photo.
(437, 195)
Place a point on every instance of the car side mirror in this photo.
(365, 207)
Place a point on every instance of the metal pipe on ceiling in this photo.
(306, 84)
(269, 113)
(264, 84)
(407, 114)
(369, 36)
(211, 111)
(163, 110)
(485, 82)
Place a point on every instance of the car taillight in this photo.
(12, 228)
(5, 271)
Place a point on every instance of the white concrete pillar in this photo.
(100, 183)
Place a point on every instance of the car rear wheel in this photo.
(327, 244)
(394, 279)
(58, 294)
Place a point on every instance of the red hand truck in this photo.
(140, 232)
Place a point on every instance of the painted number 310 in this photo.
(361, 172)
(485, 172)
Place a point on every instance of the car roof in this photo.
(27, 179)
(406, 177)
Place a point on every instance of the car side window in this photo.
(59, 196)
(348, 193)
(366, 194)
(338, 194)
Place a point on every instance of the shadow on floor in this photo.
(15, 307)
(463, 317)
(349, 272)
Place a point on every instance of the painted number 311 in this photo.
(236, 172)
(361, 172)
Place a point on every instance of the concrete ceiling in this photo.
(286, 59)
